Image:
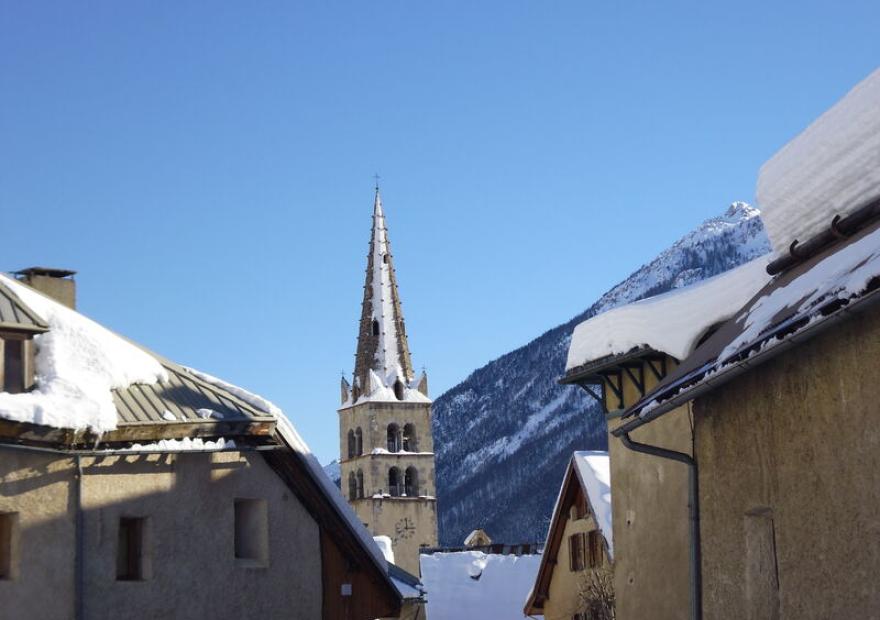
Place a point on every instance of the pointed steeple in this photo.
(383, 352)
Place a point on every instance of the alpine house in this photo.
(784, 394)
(618, 357)
(133, 486)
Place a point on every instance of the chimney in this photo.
(56, 283)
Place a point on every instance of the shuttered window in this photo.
(576, 549)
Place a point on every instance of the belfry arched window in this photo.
(410, 444)
(352, 486)
(411, 482)
(351, 444)
(359, 441)
(394, 482)
(360, 483)
(393, 438)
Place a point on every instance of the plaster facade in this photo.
(188, 502)
(789, 466)
(650, 513)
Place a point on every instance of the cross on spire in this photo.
(377, 177)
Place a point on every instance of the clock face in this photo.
(404, 529)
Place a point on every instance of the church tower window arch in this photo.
(352, 486)
(393, 437)
(410, 441)
(394, 482)
(411, 482)
(358, 441)
(351, 444)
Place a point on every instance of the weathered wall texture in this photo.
(410, 522)
(650, 518)
(189, 500)
(789, 462)
(566, 585)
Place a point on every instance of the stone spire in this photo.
(382, 345)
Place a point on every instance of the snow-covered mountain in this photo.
(334, 472)
(504, 435)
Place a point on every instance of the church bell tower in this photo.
(386, 447)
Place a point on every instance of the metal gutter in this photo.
(696, 578)
(734, 370)
(80, 550)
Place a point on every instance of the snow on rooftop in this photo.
(843, 274)
(472, 585)
(78, 362)
(291, 437)
(384, 544)
(183, 445)
(831, 168)
(379, 391)
(593, 470)
(671, 323)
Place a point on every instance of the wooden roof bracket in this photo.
(617, 390)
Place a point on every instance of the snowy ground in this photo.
(471, 585)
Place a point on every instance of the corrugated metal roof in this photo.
(185, 397)
(15, 314)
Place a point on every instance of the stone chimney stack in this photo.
(56, 283)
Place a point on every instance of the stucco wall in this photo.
(789, 456)
(189, 501)
(650, 518)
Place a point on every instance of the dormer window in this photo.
(18, 326)
(399, 389)
(18, 365)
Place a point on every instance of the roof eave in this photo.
(591, 371)
(705, 385)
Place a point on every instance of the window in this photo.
(360, 483)
(359, 441)
(8, 532)
(375, 327)
(399, 390)
(251, 532)
(352, 445)
(394, 482)
(594, 545)
(576, 544)
(385, 258)
(132, 549)
(409, 438)
(411, 482)
(393, 438)
(352, 486)
(13, 365)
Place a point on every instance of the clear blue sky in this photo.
(207, 167)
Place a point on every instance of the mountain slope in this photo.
(504, 435)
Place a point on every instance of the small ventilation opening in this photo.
(252, 532)
(8, 523)
(385, 258)
(132, 560)
(399, 390)
(375, 327)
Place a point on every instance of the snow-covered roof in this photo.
(77, 365)
(671, 323)
(83, 370)
(831, 168)
(799, 301)
(472, 585)
(593, 471)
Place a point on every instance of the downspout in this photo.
(80, 557)
(696, 579)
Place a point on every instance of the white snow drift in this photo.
(671, 323)
(831, 168)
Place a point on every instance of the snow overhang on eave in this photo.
(704, 380)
